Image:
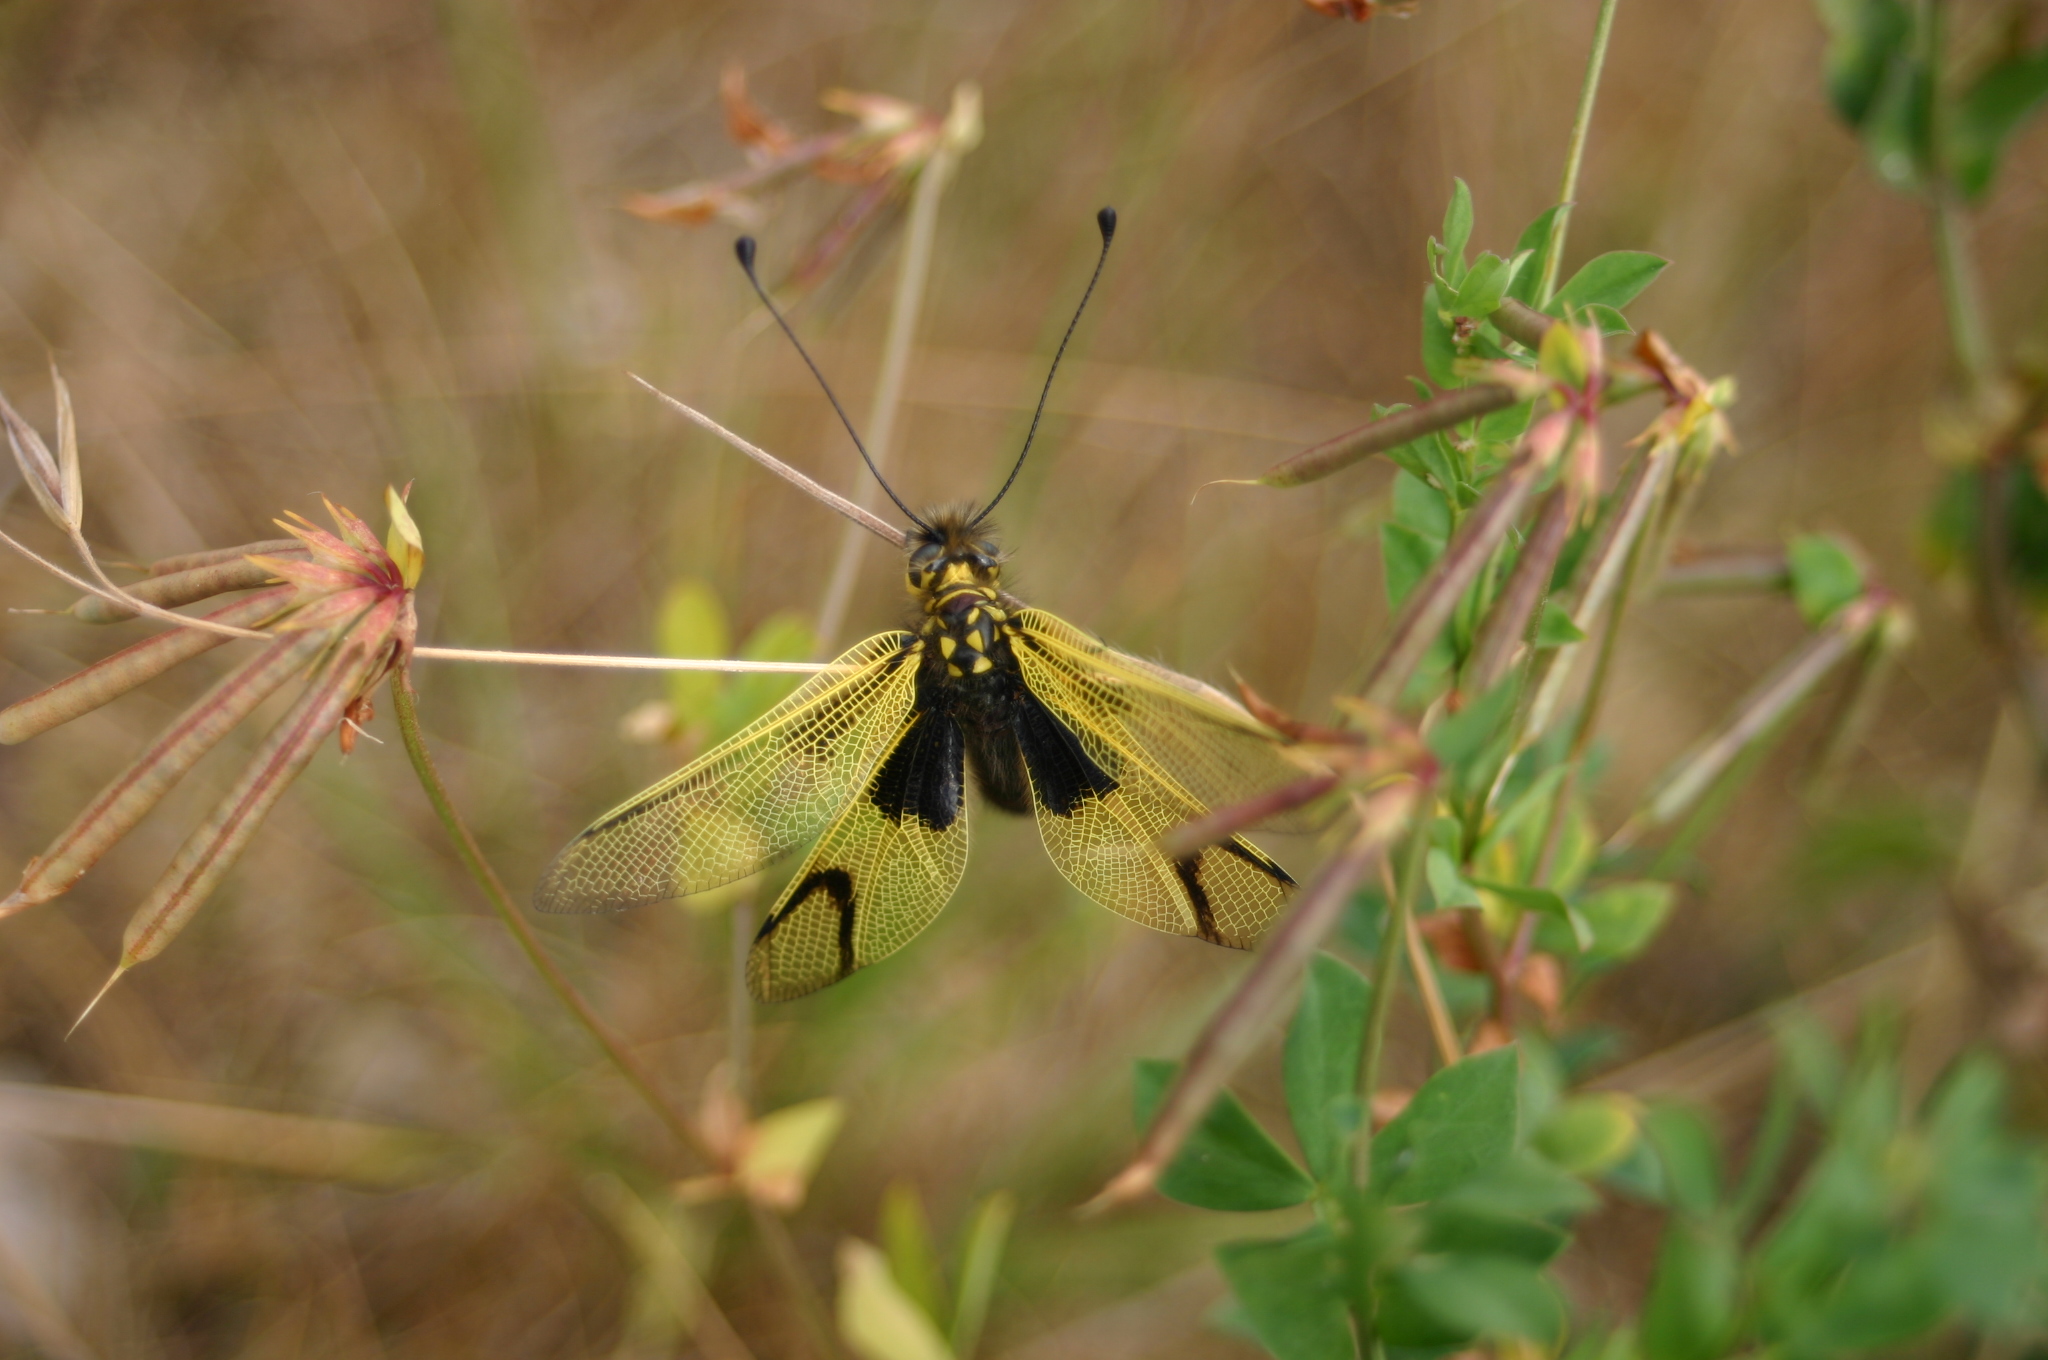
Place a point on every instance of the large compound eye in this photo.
(983, 562)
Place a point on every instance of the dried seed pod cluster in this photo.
(335, 611)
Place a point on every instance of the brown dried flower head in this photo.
(335, 610)
(881, 154)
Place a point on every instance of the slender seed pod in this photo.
(214, 846)
(178, 588)
(171, 566)
(122, 804)
(109, 679)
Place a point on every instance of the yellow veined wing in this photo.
(759, 795)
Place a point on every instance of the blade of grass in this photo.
(875, 525)
(304, 1146)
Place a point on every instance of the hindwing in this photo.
(1191, 734)
(1132, 751)
(757, 796)
(879, 875)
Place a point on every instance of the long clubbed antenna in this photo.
(1105, 221)
(744, 248)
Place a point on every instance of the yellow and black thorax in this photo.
(955, 575)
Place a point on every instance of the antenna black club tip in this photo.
(744, 248)
(1106, 220)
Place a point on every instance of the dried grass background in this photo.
(289, 248)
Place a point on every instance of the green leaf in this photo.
(1625, 917)
(1439, 349)
(1462, 740)
(988, 1232)
(1865, 39)
(1321, 1061)
(877, 1319)
(1608, 319)
(1825, 576)
(1546, 903)
(1535, 239)
(1523, 1186)
(781, 637)
(1469, 1230)
(691, 623)
(1468, 1296)
(1554, 627)
(1690, 1311)
(1460, 1123)
(907, 1242)
(1405, 558)
(1421, 507)
(1228, 1162)
(1589, 1133)
(1898, 130)
(1458, 226)
(1691, 1158)
(1292, 1293)
(1988, 113)
(1446, 884)
(1610, 280)
(1486, 283)
(1562, 358)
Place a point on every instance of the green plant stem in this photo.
(405, 709)
(1386, 973)
(1575, 150)
(1962, 296)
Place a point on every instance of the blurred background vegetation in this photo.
(287, 248)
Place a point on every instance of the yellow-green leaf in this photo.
(402, 539)
(785, 1150)
(878, 1320)
(692, 624)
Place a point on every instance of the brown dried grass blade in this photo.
(287, 1144)
(110, 678)
(56, 488)
(123, 803)
(866, 519)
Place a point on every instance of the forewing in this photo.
(1102, 818)
(759, 795)
(879, 876)
(1191, 735)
